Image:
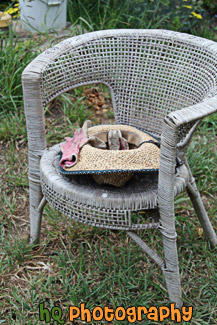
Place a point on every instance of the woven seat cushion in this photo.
(139, 193)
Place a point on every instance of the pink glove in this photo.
(71, 147)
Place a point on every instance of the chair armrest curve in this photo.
(192, 113)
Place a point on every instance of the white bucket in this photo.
(43, 15)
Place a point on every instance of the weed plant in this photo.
(14, 57)
(110, 14)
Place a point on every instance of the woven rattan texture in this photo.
(148, 75)
(90, 215)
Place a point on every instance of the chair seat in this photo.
(79, 197)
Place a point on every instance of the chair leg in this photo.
(201, 212)
(169, 267)
(171, 271)
(37, 203)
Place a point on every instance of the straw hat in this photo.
(115, 167)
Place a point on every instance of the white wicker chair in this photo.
(162, 82)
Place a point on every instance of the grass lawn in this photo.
(76, 263)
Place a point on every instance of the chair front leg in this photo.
(171, 271)
(37, 203)
(166, 210)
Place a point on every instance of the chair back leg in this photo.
(196, 200)
(199, 208)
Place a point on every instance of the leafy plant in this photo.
(14, 57)
(74, 110)
(210, 5)
(175, 15)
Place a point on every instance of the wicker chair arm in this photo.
(187, 119)
(175, 127)
(170, 137)
(192, 113)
